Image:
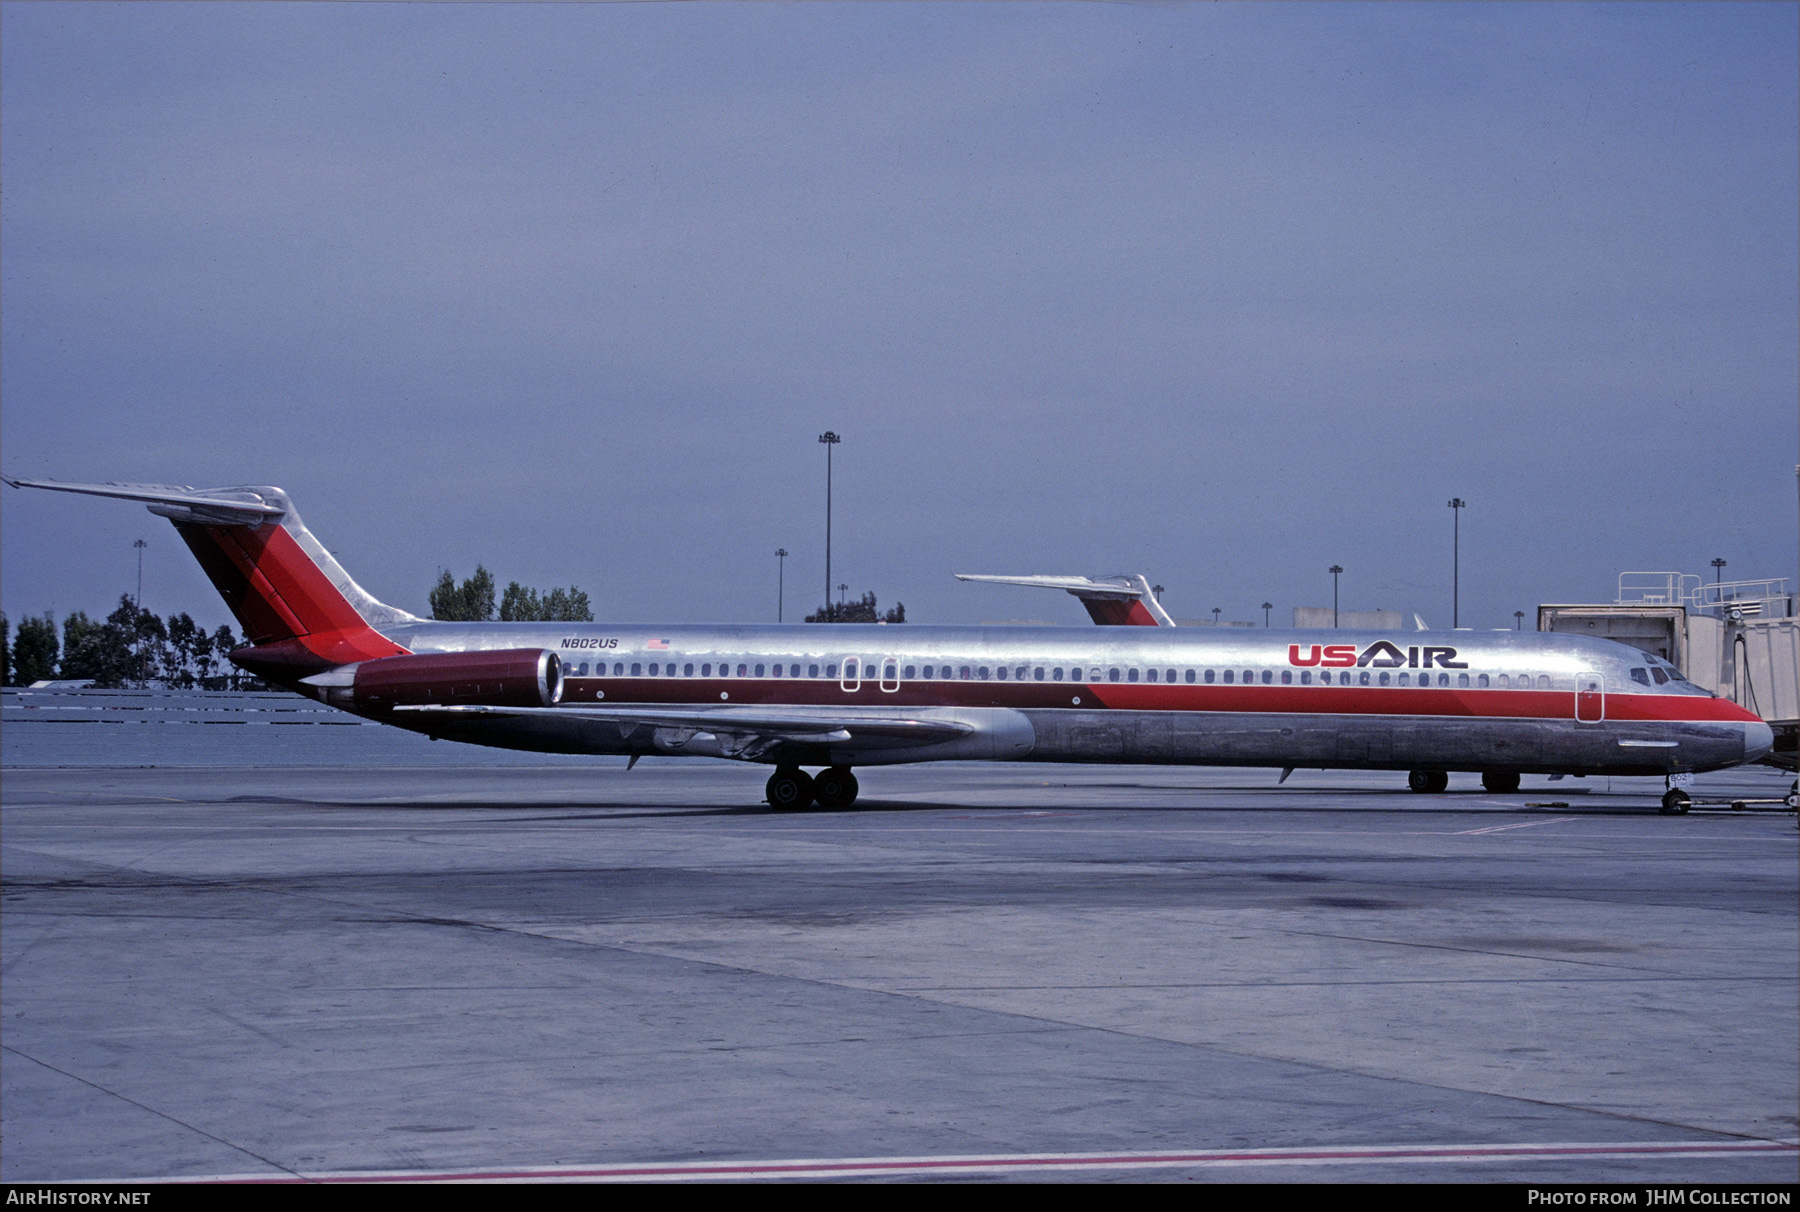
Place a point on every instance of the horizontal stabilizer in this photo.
(178, 502)
(1116, 601)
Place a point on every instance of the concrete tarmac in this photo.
(308, 970)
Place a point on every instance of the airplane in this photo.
(838, 696)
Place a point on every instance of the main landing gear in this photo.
(1430, 782)
(791, 789)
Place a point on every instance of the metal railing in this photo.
(1768, 596)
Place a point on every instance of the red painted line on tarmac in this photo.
(851, 1167)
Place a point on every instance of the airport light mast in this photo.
(1267, 606)
(137, 603)
(1335, 570)
(780, 569)
(1457, 505)
(830, 439)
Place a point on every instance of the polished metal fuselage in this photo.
(1568, 704)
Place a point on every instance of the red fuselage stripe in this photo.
(1288, 700)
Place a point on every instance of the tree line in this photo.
(130, 647)
(863, 611)
(133, 647)
(472, 601)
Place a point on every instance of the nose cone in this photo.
(1759, 738)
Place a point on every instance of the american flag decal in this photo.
(659, 643)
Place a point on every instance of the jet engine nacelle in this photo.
(506, 677)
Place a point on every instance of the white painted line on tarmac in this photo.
(884, 1167)
(1555, 820)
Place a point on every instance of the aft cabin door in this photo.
(1590, 698)
(890, 674)
(851, 682)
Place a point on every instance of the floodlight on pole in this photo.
(830, 439)
(1457, 505)
(1216, 613)
(780, 569)
(1718, 570)
(1267, 606)
(1336, 570)
(1518, 620)
(138, 601)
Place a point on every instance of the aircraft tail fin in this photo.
(297, 606)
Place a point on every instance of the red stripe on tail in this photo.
(281, 598)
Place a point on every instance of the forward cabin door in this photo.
(1590, 698)
(851, 682)
(890, 674)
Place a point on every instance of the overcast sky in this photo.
(1225, 294)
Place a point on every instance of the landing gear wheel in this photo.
(835, 787)
(1428, 782)
(1675, 802)
(1793, 795)
(1500, 781)
(789, 790)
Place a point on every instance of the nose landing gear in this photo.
(1428, 782)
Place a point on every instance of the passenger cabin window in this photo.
(1190, 677)
(1131, 675)
(1481, 680)
(1037, 675)
(908, 675)
(1228, 676)
(1056, 674)
(1287, 677)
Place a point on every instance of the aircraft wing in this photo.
(738, 731)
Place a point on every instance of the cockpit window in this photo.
(1640, 676)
